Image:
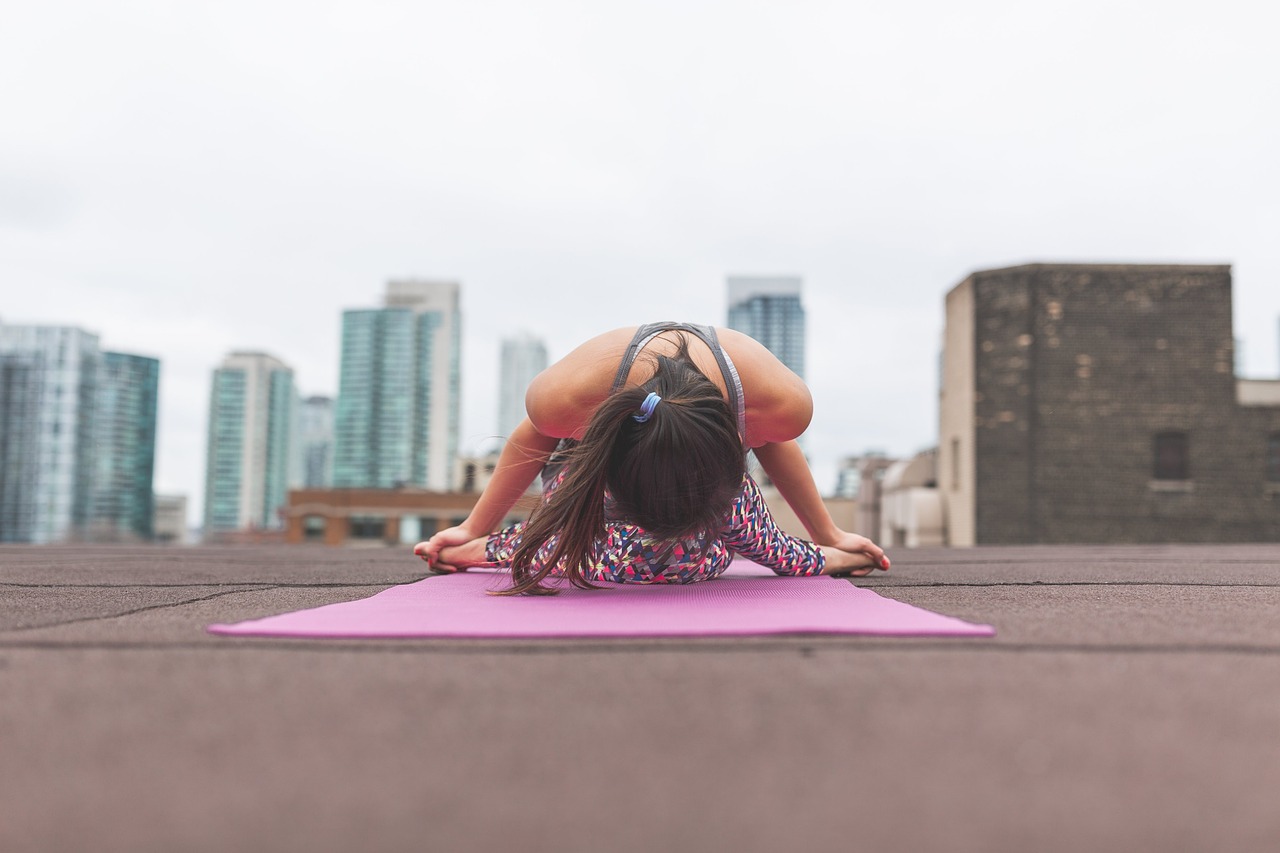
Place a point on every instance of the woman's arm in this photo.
(789, 470)
(559, 403)
(779, 408)
(523, 456)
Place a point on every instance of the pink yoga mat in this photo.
(741, 603)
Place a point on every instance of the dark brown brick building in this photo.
(1099, 403)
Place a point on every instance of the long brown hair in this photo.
(674, 475)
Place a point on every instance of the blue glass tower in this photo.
(121, 501)
(397, 417)
(77, 437)
(247, 466)
(769, 310)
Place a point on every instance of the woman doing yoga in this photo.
(641, 435)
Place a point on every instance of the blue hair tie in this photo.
(646, 408)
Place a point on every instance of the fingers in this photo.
(431, 549)
(876, 553)
(429, 552)
(878, 557)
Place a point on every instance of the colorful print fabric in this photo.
(628, 554)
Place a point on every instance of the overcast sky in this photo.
(189, 178)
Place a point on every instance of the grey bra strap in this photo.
(643, 335)
(707, 334)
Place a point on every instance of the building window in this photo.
(1273, 458)
(313, 527)
(368, 526)
(1172, 456)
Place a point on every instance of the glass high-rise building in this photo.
(523, 357)
(121, 501)
(48, 379)
(399, 393)
(313, 443)
(768, 309)
(247, 466)
(77, 437)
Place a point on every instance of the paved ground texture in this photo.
(1131, 702)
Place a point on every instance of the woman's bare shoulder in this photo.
(779, 405)
(562, 398)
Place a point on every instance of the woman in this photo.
(640, 435)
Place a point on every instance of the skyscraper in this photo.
(399, 392)
(768, 309)
(247, 465)
(49, 376)
(313, 440)
(523, 357)
(121, 502)
(77, 437)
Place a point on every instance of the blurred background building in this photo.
(77, 437)
(910, 507)
(247, 464)
(399, 394)
(524, 356)
(1099, 403)
(313, 444)
(121, 501)
(768, 309)
(47, 384)
(170, 525)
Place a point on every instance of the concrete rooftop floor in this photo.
(1130, 702)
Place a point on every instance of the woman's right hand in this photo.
(452, 536)
(851, 554)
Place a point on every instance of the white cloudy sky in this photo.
(188, 178)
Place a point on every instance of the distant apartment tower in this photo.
(523, 357)
(1090, 403)
(77, 437)
(121, 500)
(48, 380)
(397, 419)
(247, 465)
(313, 444)
(768, 309)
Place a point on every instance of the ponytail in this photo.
(563, 531)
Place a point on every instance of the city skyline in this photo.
(193, 183)
(299, 463)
